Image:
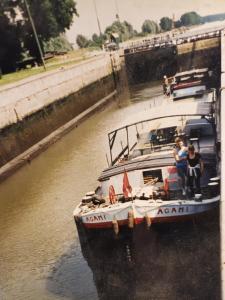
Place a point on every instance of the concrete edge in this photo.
(12, 166)
(45, 74)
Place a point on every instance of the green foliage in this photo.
(166, 23)
(150, 27)
(51, 17)
(123, 29)
(98, 40)
(190, 18)
(213, 18)
(58, 44)
(82, 41)
(10, 46)
(177, 24)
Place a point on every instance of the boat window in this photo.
(152, 175)
(163, 136)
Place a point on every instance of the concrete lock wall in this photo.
(28, 96)
(199, 54)
(153, 64)
(34, 108)
(150, 65)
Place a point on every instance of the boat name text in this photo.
(95, 218)
(171, 210)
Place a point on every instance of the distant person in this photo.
(180, 155)
(165, 84)
(195, 170)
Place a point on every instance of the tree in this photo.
(150, 27)
(166, 23)
(123, 29)
(82, 41)
(98, 40)
(213, 18)
(10, 45)
(129, 28)
(58, 44)
(177, 24)
(190, 18)
(53, 18)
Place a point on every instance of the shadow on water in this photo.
(167, 262)
(143, 92)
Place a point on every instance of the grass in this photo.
(56, 62)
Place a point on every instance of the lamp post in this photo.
(96, 12)
(117, 11)
(35, 33)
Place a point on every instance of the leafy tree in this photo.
(10, 46)
(178, 24)
(98, 40)
(123, 29)
(53, 17)
(58, 44)
(213, 18)
(150, 27)
(129, 28)
(166, 23)
(82, 41)
(190, 18)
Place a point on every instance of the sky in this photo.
(135, 12)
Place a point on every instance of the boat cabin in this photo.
(194, 83)
(141, 182)
(150, 162)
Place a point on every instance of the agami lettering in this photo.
(172, 210)
(92, 219)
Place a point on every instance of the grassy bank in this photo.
(54, 63)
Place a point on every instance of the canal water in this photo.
(41, 256)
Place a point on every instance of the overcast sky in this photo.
(135, 12)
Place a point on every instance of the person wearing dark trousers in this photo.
(180, 155)
(195, 170)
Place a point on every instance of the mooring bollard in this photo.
(130, 219)
(115, 226)
(148, 221)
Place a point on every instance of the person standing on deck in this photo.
(180, 155)
(195, 169)
(165, 85)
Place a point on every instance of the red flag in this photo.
(166, 185)
(126, 185)
(112, 194)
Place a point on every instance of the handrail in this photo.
(158, 118)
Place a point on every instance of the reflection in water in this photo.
(40, 253)
(168, 262)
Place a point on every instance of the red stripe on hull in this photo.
(141, 220)
(104, 224)
(186, 85)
